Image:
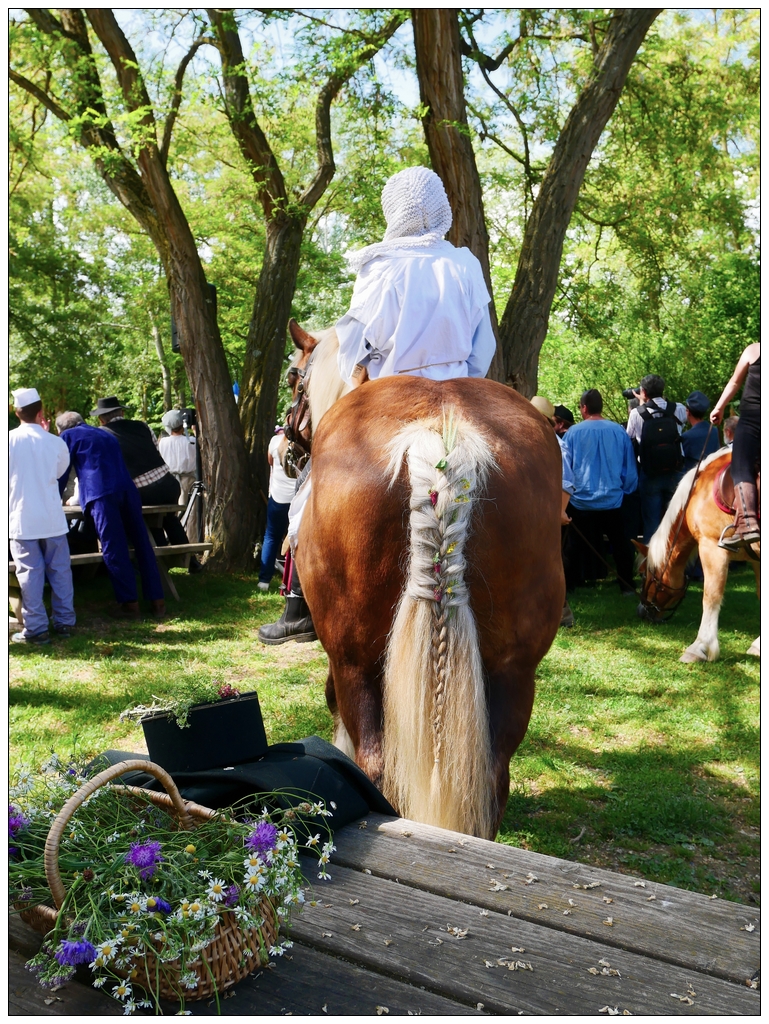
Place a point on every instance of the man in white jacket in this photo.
(37, 526)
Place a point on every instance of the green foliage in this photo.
(660, 265)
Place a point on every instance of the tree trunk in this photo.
(524, 323)
(266, 345)
(166, 373)
(441, 90)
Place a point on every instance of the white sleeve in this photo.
(62, 458)
(484, 347)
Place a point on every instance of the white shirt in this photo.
(36, 460)
(423, 312)
(178, 453)
(282, 487)
(635, 420)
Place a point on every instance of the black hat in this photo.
(698, 403)
(564, 414)
(106, 405)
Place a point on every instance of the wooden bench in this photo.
(418, 920)
(168, 555)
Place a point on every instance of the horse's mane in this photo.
(326, 385)
(658, 545)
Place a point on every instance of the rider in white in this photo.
(420, 307)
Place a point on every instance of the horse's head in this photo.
(298, 428)
(315, 385)
(659, 598)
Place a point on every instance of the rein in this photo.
(298, 419)
(669, 611)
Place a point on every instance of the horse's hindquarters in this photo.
(353, 558)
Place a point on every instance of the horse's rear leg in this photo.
(355, 701)
(341, 738)
(511, 697)
(715, 566)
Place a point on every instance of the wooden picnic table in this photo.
(153, 516)
(418, 920)
(167, 555)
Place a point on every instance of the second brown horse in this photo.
(429, 552)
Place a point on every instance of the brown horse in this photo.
(693, 520)
(429, 553)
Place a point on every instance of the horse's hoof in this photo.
(755, 648)
(693, 654)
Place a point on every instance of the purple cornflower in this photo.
(16, 821)
(71, 953)
(146, 857)
(263, 838)
(231, 896)
(161, 905)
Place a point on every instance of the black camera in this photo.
(629, 394)
(189, 418)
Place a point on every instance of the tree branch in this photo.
(239, 109)
(126, 66)
(176, 100)
(37, 93)
(327, 95)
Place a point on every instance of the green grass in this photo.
(654, 765)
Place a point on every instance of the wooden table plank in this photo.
(302, 981)
(26, 998)
(306, 981)
(406, 932)
(677, 926)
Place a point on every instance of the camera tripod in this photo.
(196, 501)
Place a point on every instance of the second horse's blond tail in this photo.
(436, 732)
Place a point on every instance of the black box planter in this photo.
(220, 734)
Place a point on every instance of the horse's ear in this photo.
(303, 341)
(643, 549)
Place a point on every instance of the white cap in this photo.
(24, 397)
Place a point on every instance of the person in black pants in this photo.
(599, 470)
(746, 450)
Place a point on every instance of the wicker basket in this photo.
(225, 960)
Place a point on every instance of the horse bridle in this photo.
(666, 613)
(298, 419)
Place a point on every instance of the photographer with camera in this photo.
(655, 430)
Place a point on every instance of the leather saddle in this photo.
(723, 491)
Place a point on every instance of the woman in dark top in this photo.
(746, 451)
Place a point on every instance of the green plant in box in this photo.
(142, 900)
(187, 694)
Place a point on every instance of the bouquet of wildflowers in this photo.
(144, 898)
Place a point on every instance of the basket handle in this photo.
(51, 857)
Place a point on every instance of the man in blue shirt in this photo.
(109, 496)
(599, 469)
(702, 439)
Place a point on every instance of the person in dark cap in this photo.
(701, 439)
(154, 480)
(563, 418)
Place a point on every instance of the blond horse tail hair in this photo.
(437, 751)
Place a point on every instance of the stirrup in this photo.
(730, 543)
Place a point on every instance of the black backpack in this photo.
(660, 447)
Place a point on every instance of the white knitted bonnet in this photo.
(417, 212)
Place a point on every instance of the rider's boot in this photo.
(295, 623)
(746, 531)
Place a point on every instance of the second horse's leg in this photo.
(715, 566)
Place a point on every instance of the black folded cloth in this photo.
(297, 772)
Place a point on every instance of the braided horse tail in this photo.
(437, 756)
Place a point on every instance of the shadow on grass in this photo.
(651, 796)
